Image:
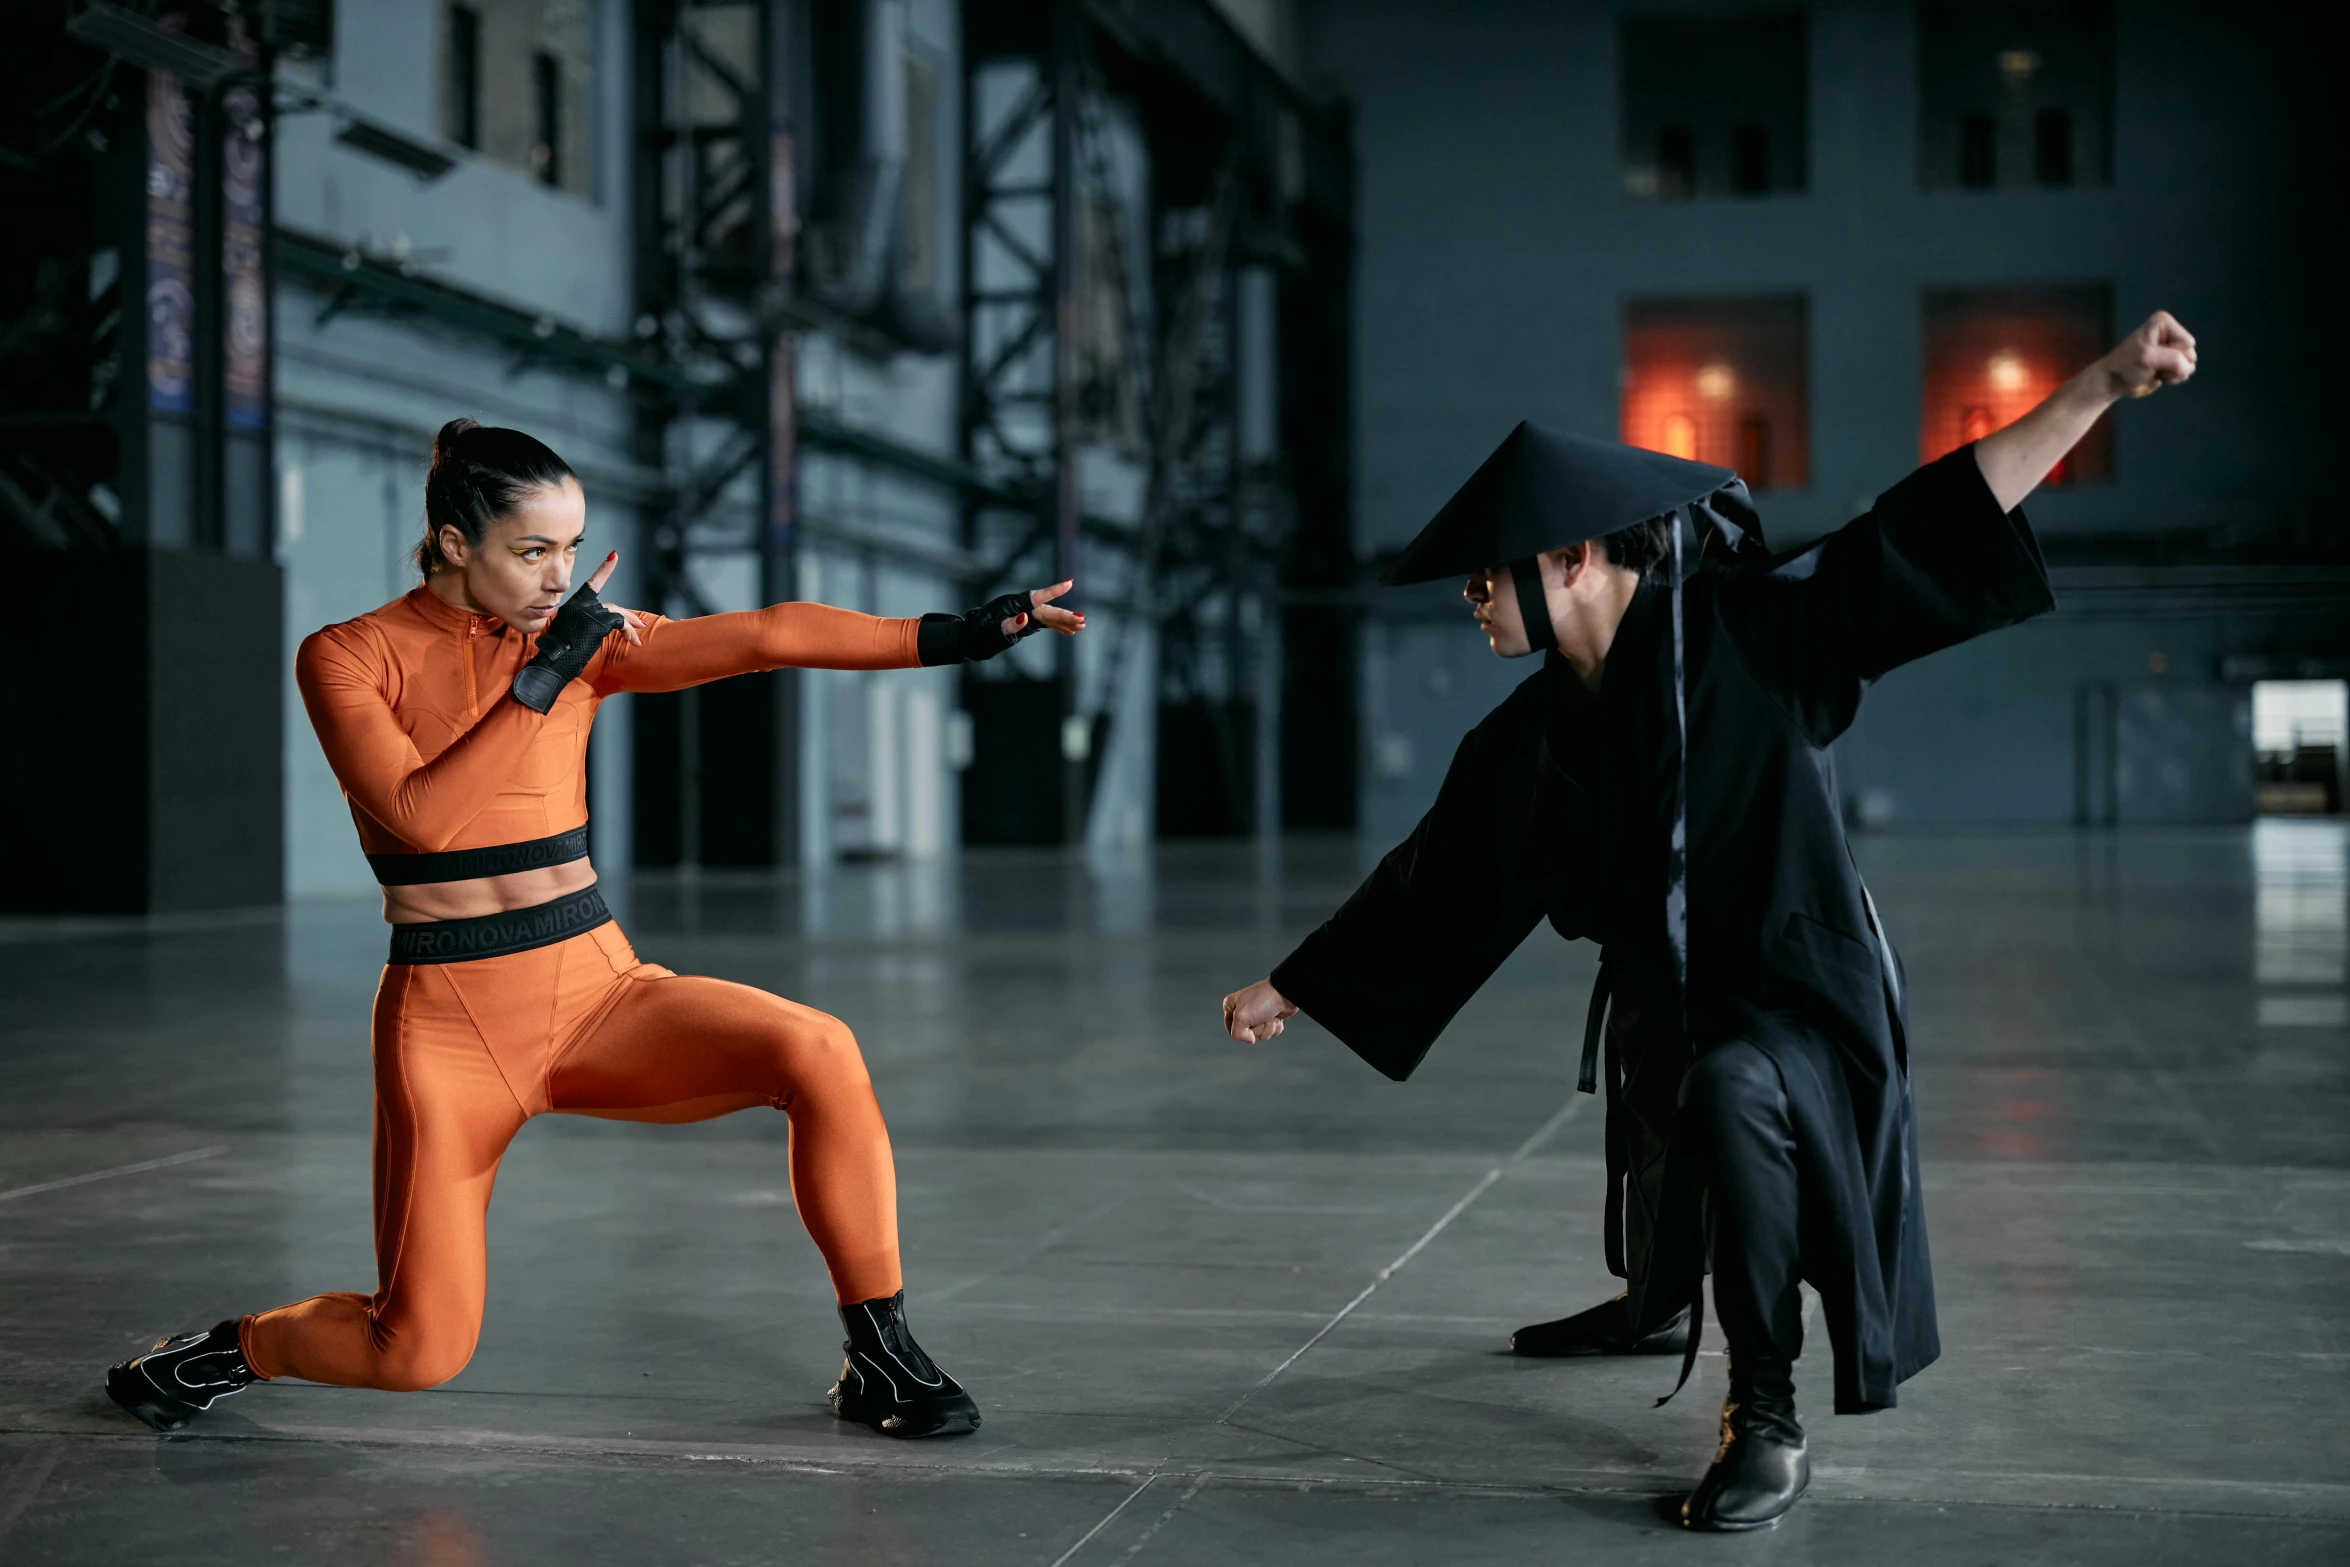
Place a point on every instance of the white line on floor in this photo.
(121, 1169)
(1382, 1276)
(1147, 1481)
(1525, 1151)
(1165, 1518)
(1543, 1134)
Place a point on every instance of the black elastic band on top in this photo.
(499, 859)
(500, 935)
(1533, 607)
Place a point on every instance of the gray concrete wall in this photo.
(486, 225)
(1498, 246)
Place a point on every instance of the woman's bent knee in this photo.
(402, 1367)
(825, 1055)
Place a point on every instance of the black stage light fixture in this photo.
(139, 41)
(377, 141)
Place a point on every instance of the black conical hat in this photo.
(1544, 490)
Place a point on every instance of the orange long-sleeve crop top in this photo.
(409, 702)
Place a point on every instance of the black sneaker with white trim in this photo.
(889, 1384)
(181, 1377)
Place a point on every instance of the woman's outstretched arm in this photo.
(674, 654)
(679, 653)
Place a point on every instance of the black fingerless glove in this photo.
(565, 647)
(975, 634)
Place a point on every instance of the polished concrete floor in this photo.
(1220, 1303)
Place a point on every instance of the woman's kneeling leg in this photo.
(685, 1048)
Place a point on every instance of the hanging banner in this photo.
(171, 296)
(244, 164)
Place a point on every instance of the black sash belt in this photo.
(497, 935)
(1594, 1025)
(501, 859)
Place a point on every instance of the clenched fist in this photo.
(1257, 1012)
(2160, 353)
(2016, 458)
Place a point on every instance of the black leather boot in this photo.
(1762, 1465)
(181, 1377)
(1606, 1329)
(889, 1384)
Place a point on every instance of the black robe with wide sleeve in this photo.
(1559, 803)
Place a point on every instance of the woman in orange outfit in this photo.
(456, 719)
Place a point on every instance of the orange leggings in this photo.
(467, 1052)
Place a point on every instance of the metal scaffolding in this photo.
(1073, 342)
(715, 769)
(744, 119)
(1100, 311)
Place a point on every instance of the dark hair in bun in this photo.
(480, 473)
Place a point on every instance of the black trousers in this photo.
(1763, 1176)
(1736, 1105)
(1739, 1158)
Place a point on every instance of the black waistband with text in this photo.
(498, 935)
(499, 859)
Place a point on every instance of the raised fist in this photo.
(2160, 353)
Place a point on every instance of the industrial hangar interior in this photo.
(896, 306)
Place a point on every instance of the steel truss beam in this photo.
(1239, 160)
(352, 279)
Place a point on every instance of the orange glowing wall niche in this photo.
(1720, 380)
(1991, 355)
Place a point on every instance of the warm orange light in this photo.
(1992, 355)
(1978, 395)
(1717, 381)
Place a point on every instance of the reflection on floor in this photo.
(1137, 1242)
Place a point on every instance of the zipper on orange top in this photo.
(472, 699)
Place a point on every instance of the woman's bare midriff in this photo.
(464, 900)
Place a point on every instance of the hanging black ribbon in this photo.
(1533, 607)
(1677, 853)
(1725, 519)
(1696, 1332)
(1677, 858)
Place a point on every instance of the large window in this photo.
(461, 83)
(2298, 733)
(1993, 353)
(1712, 106)
(2015, 92)
(1721, 381)
(517, 79)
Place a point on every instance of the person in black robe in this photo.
(1662, 785)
